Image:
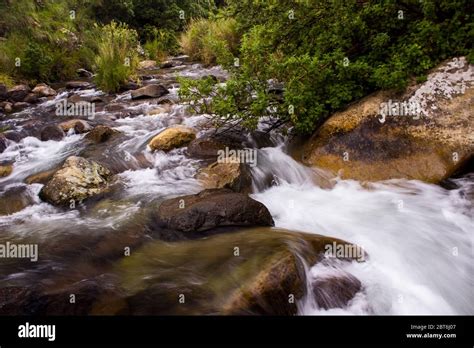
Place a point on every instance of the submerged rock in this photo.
(210, 209)
(149, 91)
(335, 291)
(5, 170)
(231, 174)
(252, 272)
(423, 134)
(171, 138)
(77, 180)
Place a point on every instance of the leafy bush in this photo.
(329, 53)
(211, 41)
(117, 57)
(6, 80)
(160, 44)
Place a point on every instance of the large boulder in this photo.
(210, 209)
(171, 138)
(149, 91)
(250, 272)
(77, 180)
(43, 90)
(229, 174)
(425, 133)
(52, 132)
(18, 93)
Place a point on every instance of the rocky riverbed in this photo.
(133, 213)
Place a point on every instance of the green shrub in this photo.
(6, 80)
(117, 57)
(211, 41)
(160, 44)
(327, 53)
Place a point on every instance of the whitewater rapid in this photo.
(419, 237)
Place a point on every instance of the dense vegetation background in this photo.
(324, 53)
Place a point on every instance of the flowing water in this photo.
(418, 237)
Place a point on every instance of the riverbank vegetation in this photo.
(294, 61)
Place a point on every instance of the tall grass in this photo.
(211, 41)
(117, 58)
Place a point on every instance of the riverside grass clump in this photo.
(44, 41)
(324, 54)
(211, 40)
(117, 57)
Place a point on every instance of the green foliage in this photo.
(47, 39)
(330, 53)
(160, 44)
(6, 80)
(211, 41)
(117, 58)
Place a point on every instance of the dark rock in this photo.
(3, 143)
(149, 91)
(20, 106)
(166, 65)
(52, 132)
(210, 209)
(3, 92)
(18, 93)
(129, 86)
(335, 291)
(31, 98)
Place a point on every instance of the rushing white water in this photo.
(419, 238)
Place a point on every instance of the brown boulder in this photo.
(77, 180)
(210, 209)
(43, 90)
(149, 91)
(231, 175)
(424, 133)
(171, 138)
